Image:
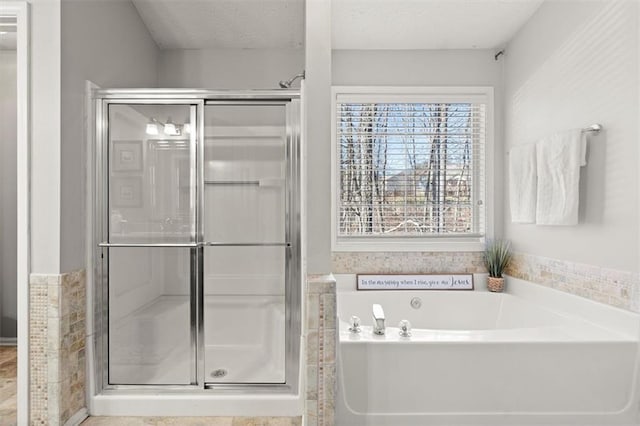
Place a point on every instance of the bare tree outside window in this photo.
(408, 169)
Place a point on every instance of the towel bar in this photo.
(595, 128)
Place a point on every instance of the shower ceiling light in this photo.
(171, 129)
(152, 127)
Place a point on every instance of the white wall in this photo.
(45, 135)
(228, 68)
(573, 64)
(416, 68)
(317, 137)
(106, 42)
(8, 200)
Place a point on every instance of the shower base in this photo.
(244, 341)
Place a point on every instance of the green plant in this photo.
(497, 255)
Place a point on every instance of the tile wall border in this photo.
(57, 332)
(610, 286)
(320, 348)
(407, 262)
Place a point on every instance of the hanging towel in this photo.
(522, 183)
(559, 158)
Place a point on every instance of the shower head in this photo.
(287, 84)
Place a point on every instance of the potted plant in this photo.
(497, 255)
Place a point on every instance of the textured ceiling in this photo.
(356, 24)
(224, 24)
(427, 24)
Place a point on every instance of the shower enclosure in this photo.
(197, 240)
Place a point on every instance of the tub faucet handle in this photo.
(378, 319)
(405, 328)
(355, 324)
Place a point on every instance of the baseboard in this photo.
(77, 418)
(8, 341)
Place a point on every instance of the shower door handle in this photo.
(133, 245)
(217, 244)
(194, 245)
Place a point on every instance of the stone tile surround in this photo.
(320, 348)
(613, 287)
(57, 346)
(406, 262)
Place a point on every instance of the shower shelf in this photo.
(244, 141)
(232, 182)
(248, 136)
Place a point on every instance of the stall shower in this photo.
(197, 271)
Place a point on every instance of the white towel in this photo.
(522, 183)
(559, 158)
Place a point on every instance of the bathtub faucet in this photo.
(378, 319)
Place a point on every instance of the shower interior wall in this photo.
(243, 286)
(147, 272)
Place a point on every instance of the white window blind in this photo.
(412, 168)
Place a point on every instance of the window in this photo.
(409, 168)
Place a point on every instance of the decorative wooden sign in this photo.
(415, 282)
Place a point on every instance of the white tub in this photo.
(530, 356)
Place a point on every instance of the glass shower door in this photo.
(150, 244)
(246, 242)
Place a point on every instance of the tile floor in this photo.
(8, 365)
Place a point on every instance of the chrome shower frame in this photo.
(290, 99)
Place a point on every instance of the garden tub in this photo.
(532, 355)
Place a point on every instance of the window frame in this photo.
(426, 94)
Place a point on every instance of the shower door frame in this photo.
(290, 100)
